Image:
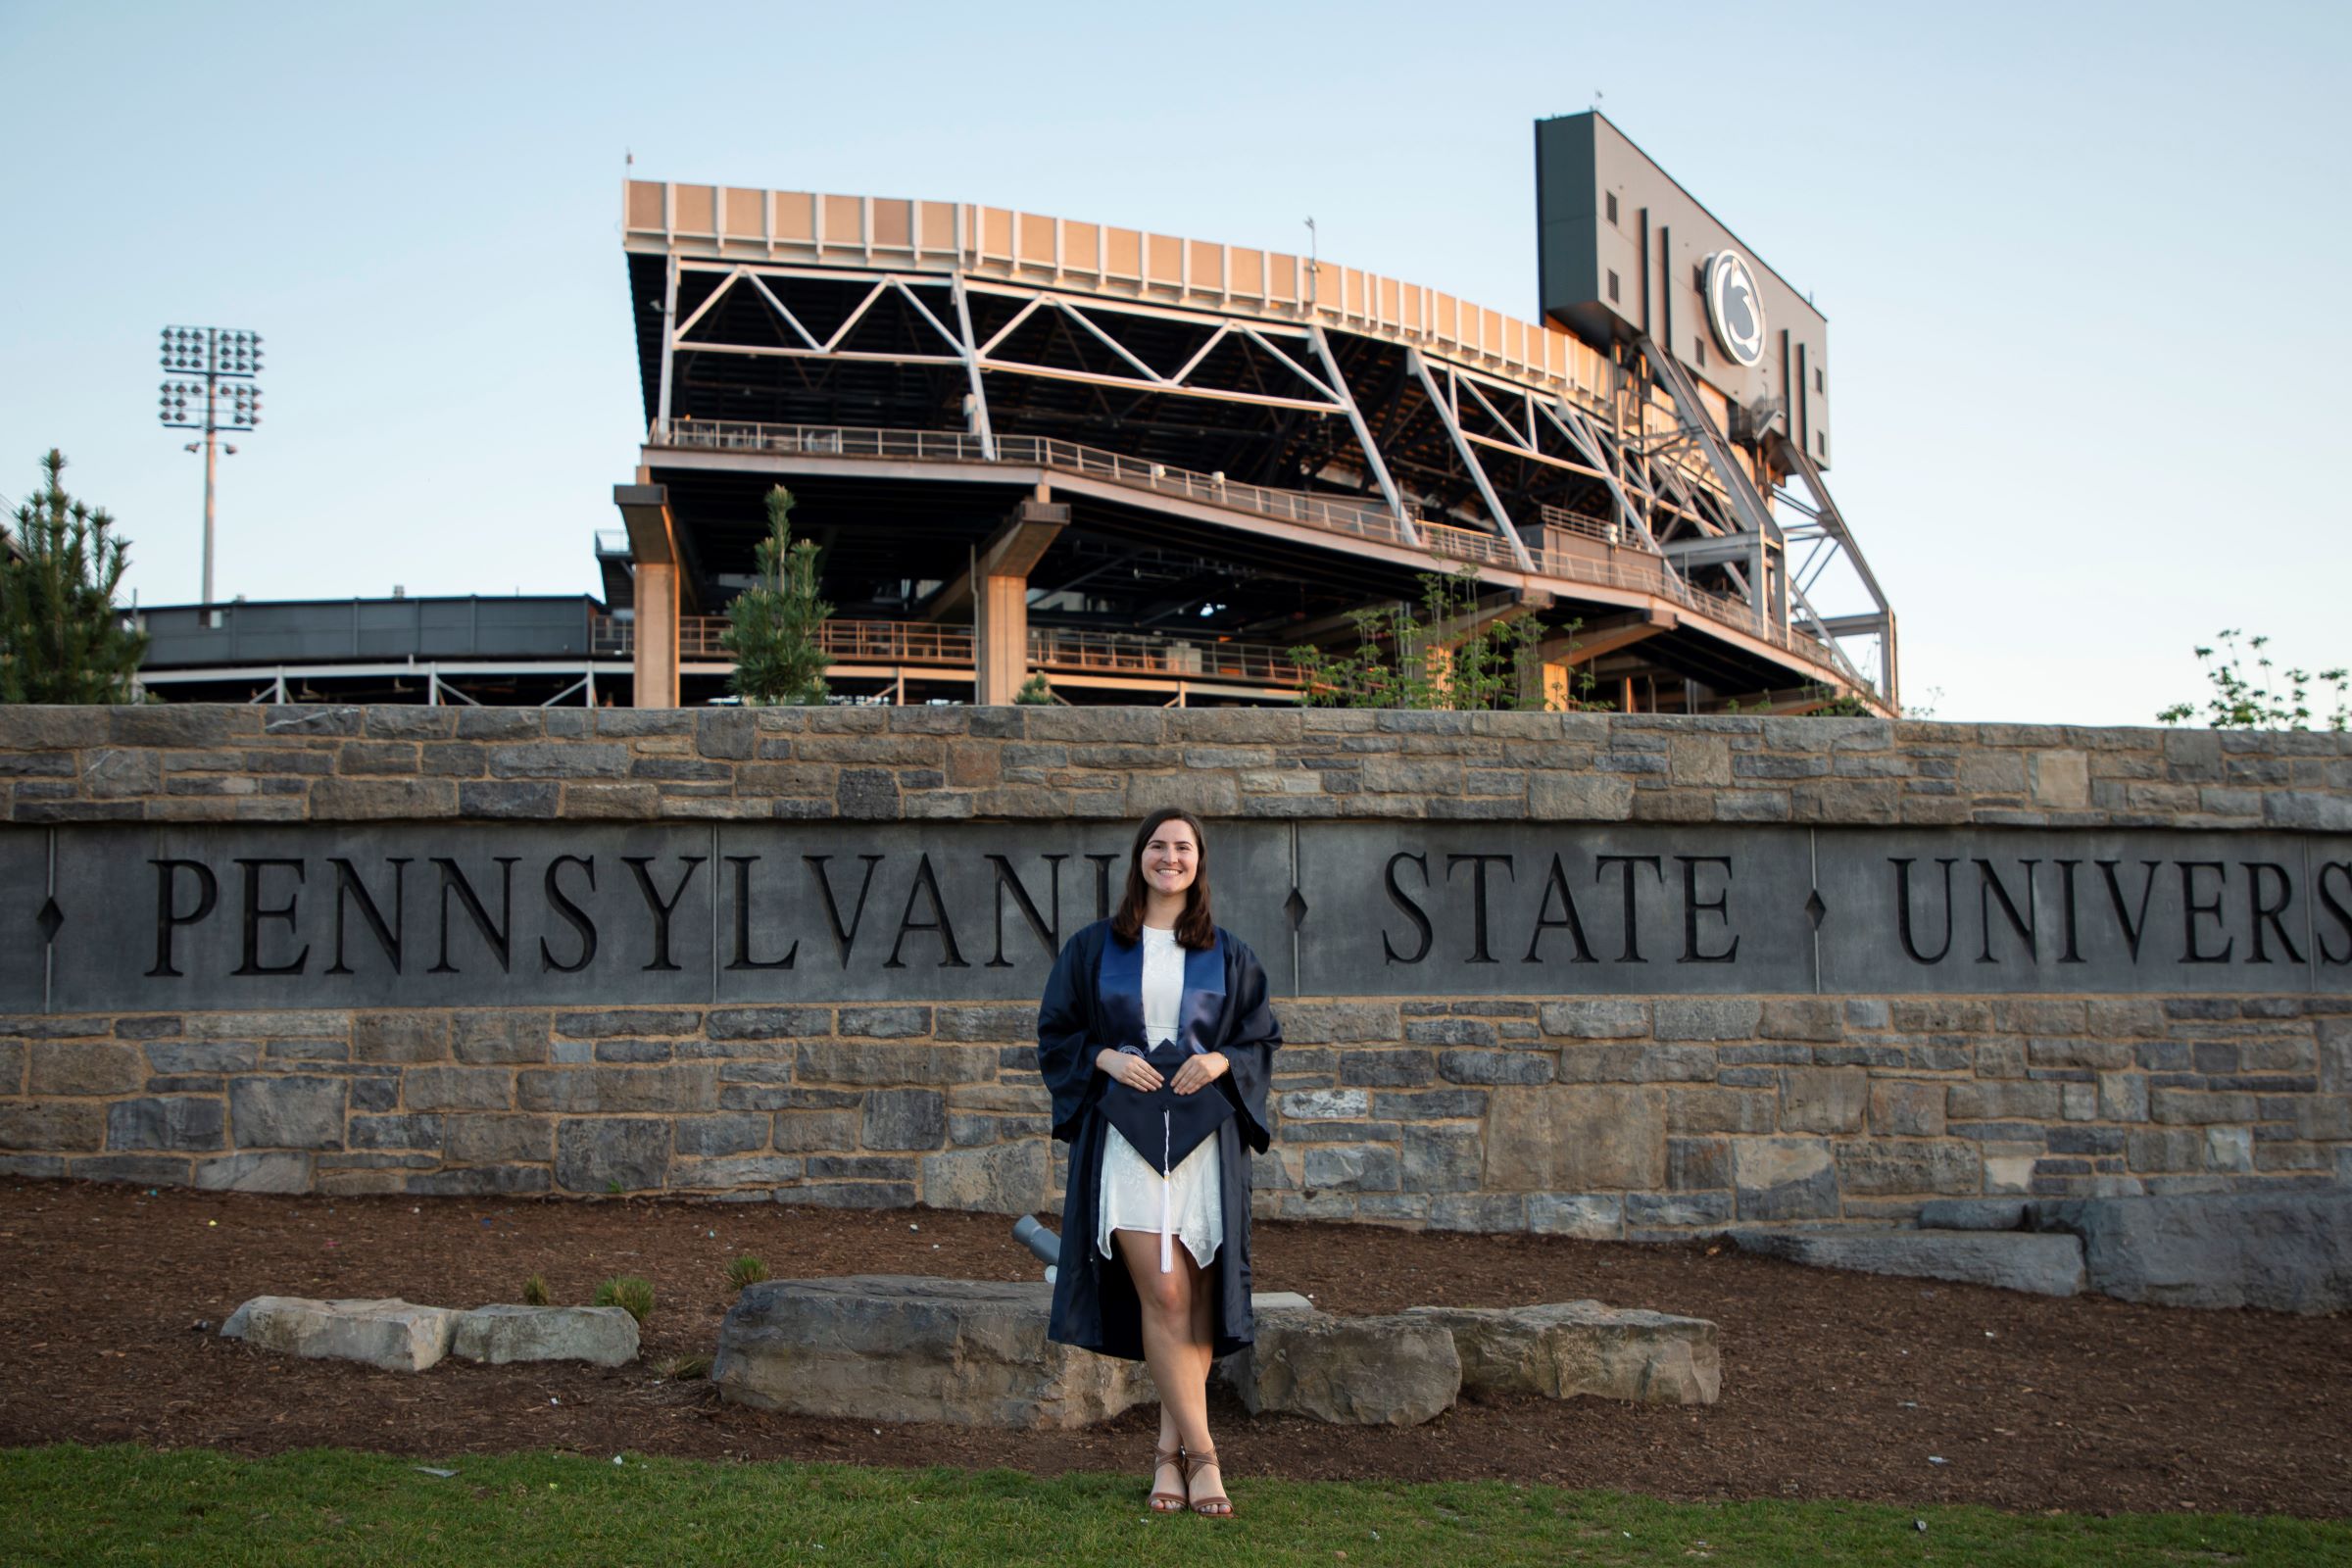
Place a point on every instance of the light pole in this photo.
(229, 362)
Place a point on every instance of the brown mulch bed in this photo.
(1835, 1384)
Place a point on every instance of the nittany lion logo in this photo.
(1733, 309)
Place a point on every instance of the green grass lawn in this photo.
(131, 1506)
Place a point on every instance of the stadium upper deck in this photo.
(1185, 447)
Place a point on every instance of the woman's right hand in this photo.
(1129, 1068)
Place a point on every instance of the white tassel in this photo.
(1167, 1243)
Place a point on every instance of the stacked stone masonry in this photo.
(206, 764)
(1591, 1116)
(1603, 1117)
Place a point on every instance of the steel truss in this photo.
(1429, 439)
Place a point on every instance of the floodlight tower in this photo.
(229, 362)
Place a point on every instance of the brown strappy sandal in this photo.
(1169, 1501)
(1219, 1506)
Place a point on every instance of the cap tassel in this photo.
(1167, 1241)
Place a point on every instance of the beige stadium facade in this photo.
(1150, 467)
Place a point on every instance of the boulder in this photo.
(390, 1334)
(1564, 1348)
(604, 1335)
(1400, 1370)
(903, 1347)
(2284, 1251)
(2013, 1260)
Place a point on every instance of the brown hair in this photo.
(1194, 928)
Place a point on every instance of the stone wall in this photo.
(205, 763)
(1624, 1115)
(1617, 1115)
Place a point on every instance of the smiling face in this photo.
(1172, 859)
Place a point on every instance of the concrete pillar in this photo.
(656, 640)
(661, 590)
(999, 588)
(999, 639)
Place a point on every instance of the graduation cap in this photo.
(1166, 1126)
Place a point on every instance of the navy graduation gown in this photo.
(1094, 1000)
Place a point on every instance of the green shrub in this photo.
(745, 1270)
(631, 1293)
(535, 1292)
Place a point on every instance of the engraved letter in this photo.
(2135, 926)
(253, 914)
(2192, 910)
(1600, 863)
(1557, 881)
(1412, 910)
(1988, 887)
(1047, 934)
(166, 917)
(743, 958)
(2267, 913)
(660, 906)
(844, 936)
(348, 886)
(1719, 907)
(2336, 907)
(1478, 894)
(496, 934)
(2074, 930)
(572, 912)
(1902, 911)
(1102, 866)
(927, 885)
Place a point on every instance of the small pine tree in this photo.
(1035, 692)
(773, 624)
(61, 639)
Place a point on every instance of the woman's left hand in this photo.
(1201, 1070)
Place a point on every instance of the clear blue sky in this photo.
(2081, 262)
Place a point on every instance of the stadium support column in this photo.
(1000, 586)
(1560, 656)
(659, 592)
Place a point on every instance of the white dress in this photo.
(1131, 1183)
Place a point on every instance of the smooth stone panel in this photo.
(247, 917)
(241, 917)
(23, 888)
(1420, 908)
(900, 911)
(2035, 912)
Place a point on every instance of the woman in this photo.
(1154, 1037)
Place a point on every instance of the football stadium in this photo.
(1151, 468)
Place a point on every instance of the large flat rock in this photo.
(604, 1335)
(1400, 1370)
(2013, 1260)
(903, 1347)
(2285, 1252)
(394, 1335)
(1564, 1348)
